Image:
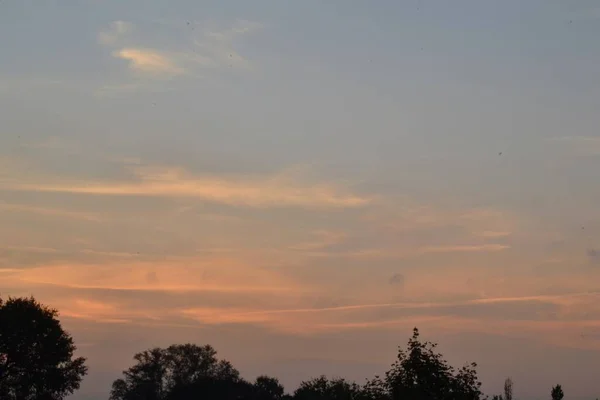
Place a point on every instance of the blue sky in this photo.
(288, 175)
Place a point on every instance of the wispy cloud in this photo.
(405, 215)
(217, 45)
(270, 191)
(8, 270)
(149, 61)
(558, 299)
(188, 52)
(94, 310)
(218, 275)
(30, 249)
(50, 212)
(477, 312)
(475, 248)
(146, 60)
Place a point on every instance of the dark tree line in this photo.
(37, 363)
(186, 372)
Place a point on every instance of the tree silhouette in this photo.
(322, 388)
(190, 372)
(267, 388)
(420, 373)
(508, 389)
(36, 354)
(175, 373)
(557, 393)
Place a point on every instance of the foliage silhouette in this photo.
(36, 354)
(183, 372)
(176, 373)
(322, 388)
(508, 389)
(557, 393)
(420, 373)
(268, 388)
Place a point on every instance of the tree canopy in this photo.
(176, 373)
(36, 355)
(557, 393)
(322, 388)
(421, 373)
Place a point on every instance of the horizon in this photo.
(300, 184)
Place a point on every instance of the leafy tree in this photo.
(375, 389)
(557, 393)
(176, 372)
(420, 373)
(267, 388)
(508, 389)
(36, 354)
(322, 388)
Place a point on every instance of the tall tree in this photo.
(508, 389)
(36, 354)
(420, 373)
(557, 393)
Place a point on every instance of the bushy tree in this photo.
(420, 373)
(322, 388)
(557, 393)
(36, 355)
(176, 372)
(268, 388)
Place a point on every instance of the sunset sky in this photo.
(300, 183)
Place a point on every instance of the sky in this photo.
(300, 183)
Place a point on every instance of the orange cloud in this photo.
(279, 190)
(213, 275)
(212, 49)
(464, 248)
(51, 212)
(287, 307)
(91, 310)
(149, 61)
(449, 317)
(404, 215)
